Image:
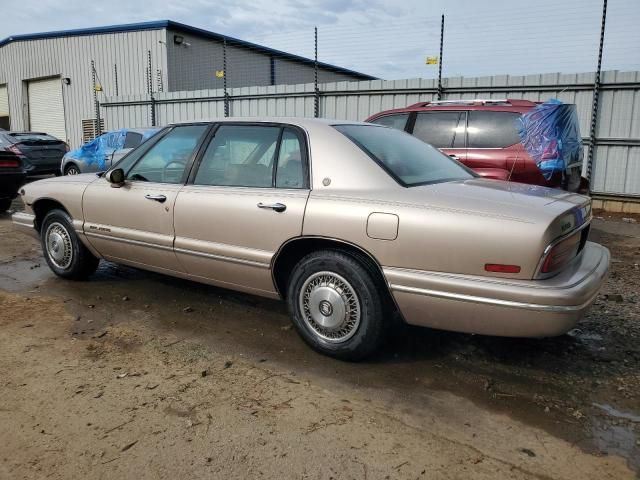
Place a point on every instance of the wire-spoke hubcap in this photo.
(59, 247)
(330, 306)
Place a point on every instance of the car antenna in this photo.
(515, 160)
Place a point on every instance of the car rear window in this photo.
(409, 161)
(397, 121)
(492, 129)
(132, 140)
(34, 137)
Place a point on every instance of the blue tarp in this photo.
(97, 150)
(550, 133)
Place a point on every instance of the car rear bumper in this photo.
(10, 184)
(502, 307)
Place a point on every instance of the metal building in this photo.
(47, 82)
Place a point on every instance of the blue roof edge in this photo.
(179, 27)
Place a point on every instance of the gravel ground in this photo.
(134, 373)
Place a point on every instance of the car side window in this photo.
(398, 121)
(166, 160)
(132, 140)
(437, 128)
(290, 172)
(492, 129)
(239, 156)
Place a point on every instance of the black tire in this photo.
(5, 203)
(360, 277)
(71, 168)
(75, 261)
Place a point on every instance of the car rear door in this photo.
(493, 144)
(442, 129)
(244, 200)
(134, 223)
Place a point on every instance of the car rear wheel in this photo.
(337, 304)
(65, 254)
(71, 170)
(5, 203)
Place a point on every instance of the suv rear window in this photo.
(408, 160)
(492, 129)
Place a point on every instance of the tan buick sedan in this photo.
(348, 222)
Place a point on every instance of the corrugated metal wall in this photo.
(617, 159)
(70, 57)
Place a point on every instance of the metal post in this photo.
(115, 78)
(596, 97)
(96, 103)
(224, 76)
(150, 89)
(316, 97)
(440, 59)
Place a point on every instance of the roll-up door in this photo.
(46, 109)
(4, 107)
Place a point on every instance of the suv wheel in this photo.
(336, 304)
(65, 254)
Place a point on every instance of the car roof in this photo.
(296, 121)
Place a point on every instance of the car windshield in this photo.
(408, 160)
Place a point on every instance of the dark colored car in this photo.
(483, 135)
(12, 177)
(39, 153)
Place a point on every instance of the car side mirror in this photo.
(116, 177)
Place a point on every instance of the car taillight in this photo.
(14, 149)
(561, 253)
(9, 164)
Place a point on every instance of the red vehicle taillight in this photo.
(561, 253)
(14, 149)
(500, 268)
(9, 163)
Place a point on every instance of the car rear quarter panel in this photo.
(428, 237)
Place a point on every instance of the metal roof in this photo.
(179, 27)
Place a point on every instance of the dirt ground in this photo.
(134, 374)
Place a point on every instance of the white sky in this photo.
(386, 38)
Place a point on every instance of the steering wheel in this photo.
(169, 165)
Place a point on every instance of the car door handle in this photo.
(157, 198)
(455, 157)
(278, 207)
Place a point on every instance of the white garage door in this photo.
(4, 107)
(46, 110)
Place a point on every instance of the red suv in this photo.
(482, 134)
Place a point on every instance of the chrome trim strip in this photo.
(223, 258)
(23, 219)
(129, 241)
(493, 301)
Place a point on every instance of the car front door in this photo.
(134, 223)
(244, 200)
(444, 130)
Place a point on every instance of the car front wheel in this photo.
(65, 254)
(337, 304)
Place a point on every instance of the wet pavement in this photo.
(583, 387)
